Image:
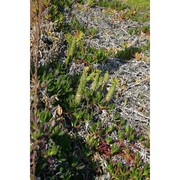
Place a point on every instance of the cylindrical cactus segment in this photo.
(95, 82)
(81, 86)
(111, 90)
(106, 77)
(91, 76)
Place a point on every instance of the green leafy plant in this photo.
(114, 149)
(128, 53)
(113, 4)
(90, 2)
(73, 42)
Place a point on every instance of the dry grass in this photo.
(35, 23)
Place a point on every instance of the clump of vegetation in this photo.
(78, 51)
(73, 42)
(95, 91)
(135, 10)
(62, 104)
(90, 2)
(113, 4)
(128, 53)
(137, 31)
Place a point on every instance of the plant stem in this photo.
(35, 53)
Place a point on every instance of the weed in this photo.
(137, 31)
(128, 53)
(73, 41)
(137, 11)
(90, 2)
(113, 4)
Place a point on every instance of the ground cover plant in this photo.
(77, 131)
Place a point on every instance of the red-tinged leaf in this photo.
(50, 161)
(45, 126)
